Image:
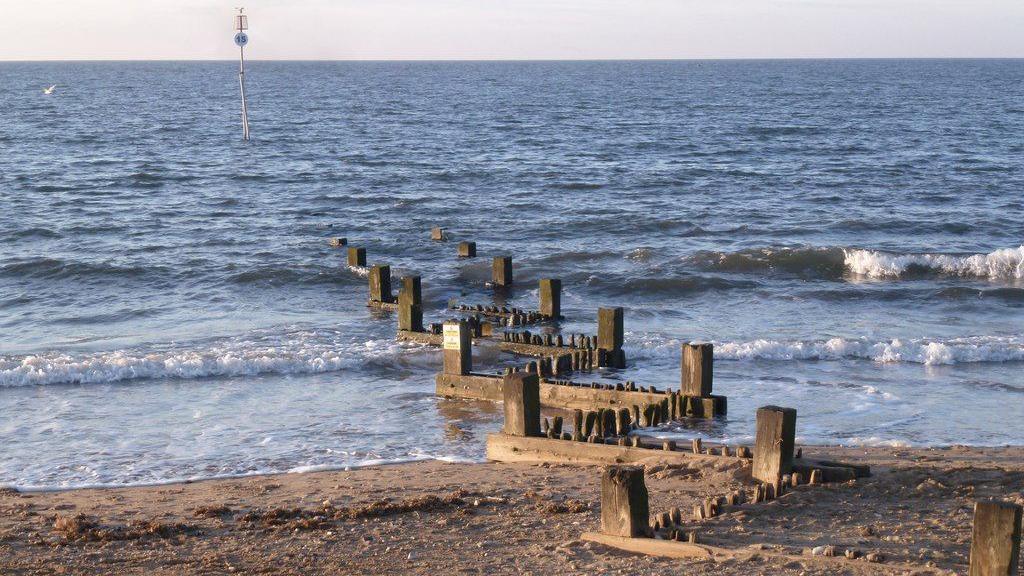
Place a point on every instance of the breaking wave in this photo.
(975, 349)
(1002, 264)
(292, 352)
(1006, 263)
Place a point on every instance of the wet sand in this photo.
(441, 518)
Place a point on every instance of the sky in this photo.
(510, 29)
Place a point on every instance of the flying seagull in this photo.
(49, 90)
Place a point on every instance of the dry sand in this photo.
(439, 518)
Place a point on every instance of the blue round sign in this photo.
(241, 39)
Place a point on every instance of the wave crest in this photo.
(974, 349)
(1005, 263)
(928, 352)
(294, 352)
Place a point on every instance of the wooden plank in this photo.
(654, 547)
(488, 387)
(686, 550)
(420, 337)
(505, 448)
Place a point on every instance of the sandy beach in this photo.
(913, 514)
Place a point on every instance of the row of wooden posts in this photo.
(625, 513)
(410, 307)
(995, 545)
(774, 444)
(604, 349)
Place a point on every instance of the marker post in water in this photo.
(241, 39)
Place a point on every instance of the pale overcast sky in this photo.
(512, 29)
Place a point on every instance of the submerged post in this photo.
(624, 505)
(458, 347)
(467, 249)
(437, 234)
(995, 540)
(501, 272)
(380, 284)
(241, 39)
(521, 397)
(697, 369)
(410, 305)
(356, 257)
(773, 443)
(551, 297)
(610, 335)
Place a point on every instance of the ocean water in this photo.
(850, 234)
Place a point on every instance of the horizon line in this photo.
(442, 60)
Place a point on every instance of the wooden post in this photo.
(609, 335)
(521, 395)
(624, 506)
(697, 369)
(501, 271)
(338, 242)
(995, 541)
(437, 233)
(356, 256)
(458, 347)
(467, 249)
(551, 297)
(410, 305)
(380, 284)
(773, 443)
(412, 286)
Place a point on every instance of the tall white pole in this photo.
(241, 39)
(241, 87)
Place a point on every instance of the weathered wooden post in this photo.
(458, 347)
(467, 249)
(437, 233)
(773, 443)
(410, 305)
(610, 335)
(521, 395)
(551, 297)
(380, 284)
(995, 541)
(697, 369)
(413, 286)
(624, 506)
(501, 271)
(356, 256)
(338, 242)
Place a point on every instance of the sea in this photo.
(848, 233)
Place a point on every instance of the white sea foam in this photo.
(1006, 263)
(295, 352)
(954, 351)
(918, 351)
